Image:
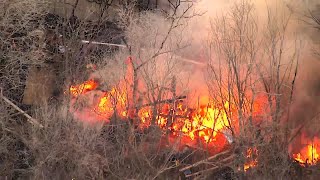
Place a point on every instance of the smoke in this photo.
(189, 62)
(200, 33)
(306, 100)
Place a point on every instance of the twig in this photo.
(164, 101)
(125, 46)
(102, 43)
(205, 160)
(29, 118)
(225, 164)
(74, 8)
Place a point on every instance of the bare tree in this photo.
(231, 70)
(249, 62)
(126, 151)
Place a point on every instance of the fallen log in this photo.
(206, 160)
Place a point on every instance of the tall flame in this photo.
(310, 154)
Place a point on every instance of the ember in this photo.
(252, 154)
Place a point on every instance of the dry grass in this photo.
(66, 148)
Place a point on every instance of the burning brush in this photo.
(204, 123)
(309, 154)
(209, 123)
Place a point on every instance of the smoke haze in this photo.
(306, 99)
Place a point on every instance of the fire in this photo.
(100, 105)
(83, 88)
(208, 122)
(105, 105)
(204, 122)
(144, 116)
(111, 101)
(309, 154)
(252, 154)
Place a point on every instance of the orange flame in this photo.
(83, 88)
(204, 122)
(309, 155)
(252, 158)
